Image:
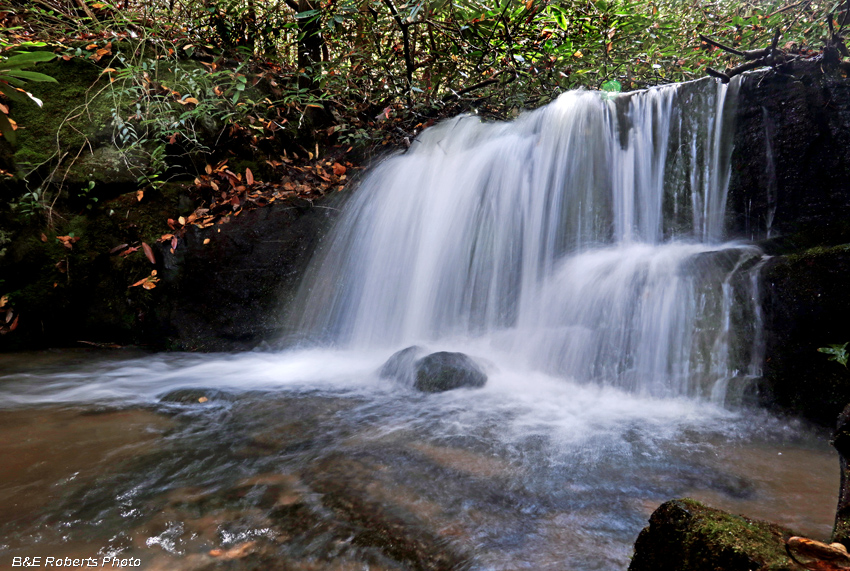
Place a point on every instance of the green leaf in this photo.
(836, 353)
(12, 93)
(28, 75)
(7, 129)
(27, 58)
(307, 14)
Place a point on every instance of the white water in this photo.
(583, 240)
(578, 254)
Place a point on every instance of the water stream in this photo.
(577, 253)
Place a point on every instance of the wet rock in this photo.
(685, 535)
(445, 371)
(230, 292)
(401, 366)
(805, 306)
(841, 442)
(348, 487)
(195, 396)
(790, 174)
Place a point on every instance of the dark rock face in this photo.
(230, 293)
(684, 535)
(806, 305)
(401, 366)
(445, 371)
(790, 169)
(790, 190)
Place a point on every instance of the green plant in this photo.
(837, 353)
(13, 76)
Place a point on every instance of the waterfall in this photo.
(583, 239)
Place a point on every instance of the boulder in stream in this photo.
(685, 535)
(401, 366)
(445, 371)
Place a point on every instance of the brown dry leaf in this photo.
(203, 399)
(237, 552)
(68, 241)
(173, 243)
(118, 248)
(339, 170)
(149, 253)
(208, 169)
(214, 185)
(249, 177)
(206, 241)
(4, 300)
(182, 221)
(14, 324)
(129, 251)
(43, 237)
(4, 108)
(91, 47)
(140, 194)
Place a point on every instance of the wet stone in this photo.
(445, 371)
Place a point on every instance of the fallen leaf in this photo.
(249, 177)
(14, 324)
(4, 300)
(68, 241)
(149, 253)
(140, 194)
(339, 170)
(182, 221)
(118, 248)
(236, 552)
(203, 399)
(173, 243)
(206, 241)
(129, 251)
(43, 237)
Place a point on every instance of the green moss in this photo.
(685, 535)
(75, 108)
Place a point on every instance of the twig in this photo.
(708, 40)
(780, 10)
(82, 4)
(718, 74)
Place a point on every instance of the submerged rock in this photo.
(685, 535)
(444, 371)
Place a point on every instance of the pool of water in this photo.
(309, 460)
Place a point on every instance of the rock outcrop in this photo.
(685, 535)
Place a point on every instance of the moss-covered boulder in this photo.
(685, 535)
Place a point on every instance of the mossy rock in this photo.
(685, 535)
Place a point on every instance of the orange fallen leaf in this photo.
(43, 237)
(149, 253)
(249, 177)
(182, 221)
(203, 399)
(236, 552)
(4, 300)
(206, 241)
(140, 194)
(339, 169)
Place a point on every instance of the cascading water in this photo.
(582, 239)
(576, 252)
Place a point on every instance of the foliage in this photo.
(837, 353)
(14, 75)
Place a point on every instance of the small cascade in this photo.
(584, 239)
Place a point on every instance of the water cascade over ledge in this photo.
(584, 239)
